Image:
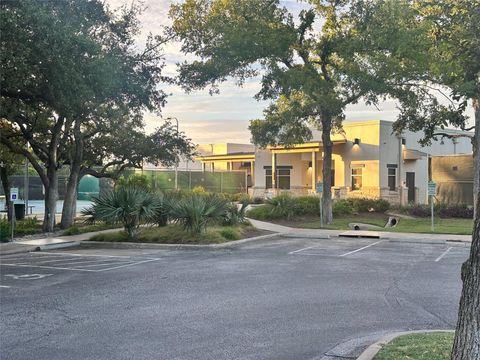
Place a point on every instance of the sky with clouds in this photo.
(222, 117)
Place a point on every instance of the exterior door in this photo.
(411, 186)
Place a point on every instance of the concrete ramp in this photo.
(49, 243)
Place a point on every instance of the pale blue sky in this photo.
(223, 117)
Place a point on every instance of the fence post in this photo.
(221, 181)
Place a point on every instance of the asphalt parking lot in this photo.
(276, 299)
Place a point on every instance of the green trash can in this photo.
(19, 211)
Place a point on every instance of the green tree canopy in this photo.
(71, 74)
(312, 66)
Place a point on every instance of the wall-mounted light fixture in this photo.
(404, 141)
(356, 141)
(310, 164)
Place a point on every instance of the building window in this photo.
(357, 178)
(392, 179)
(283, 179)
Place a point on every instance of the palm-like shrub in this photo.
(283, 206)
(194, 212)
(165, 203)
(235, 214)
(126, 205)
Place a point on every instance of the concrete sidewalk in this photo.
(325, 234)
(47, 243)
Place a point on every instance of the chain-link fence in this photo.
(225, 181)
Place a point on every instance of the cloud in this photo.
(223, 117)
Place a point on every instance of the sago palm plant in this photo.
(126, 205)
(194, 212)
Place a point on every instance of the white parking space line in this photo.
(5, 286)
(121, 266)
(443, 254)
(78, 262)
(63, 259)
(74, 261)
(362, 248)
(84, 255)
(48, 267)
(108, 264)
(296, 251)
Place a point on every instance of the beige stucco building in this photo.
(368, 161)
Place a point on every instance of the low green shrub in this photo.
(4, 230)
(283, 206)
(230, 233)
(74, 230)
(308, 205)
(442, 210)
(134, 180)
(264, 212)
(257, 200)
(199, 190)
(456, 211)
(342, 207)
(380, 205)
(27, 226)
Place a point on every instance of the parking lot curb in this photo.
(20, 250)
(373, 349)
(134, 245)
(304, 236)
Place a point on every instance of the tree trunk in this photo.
(467, 336)
(51, 196)
(327, 168)
(6, 189)
(70, 200)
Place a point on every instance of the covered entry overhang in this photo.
(240, 157)
(313, 148)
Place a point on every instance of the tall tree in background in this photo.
(70, 69)
(312, 67)
(10, 164)
(454, 32)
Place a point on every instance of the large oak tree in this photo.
(453, 72)
(312, 65)
(71, 76)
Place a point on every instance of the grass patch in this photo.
(442, 226)
(426, 346)
(174, 234)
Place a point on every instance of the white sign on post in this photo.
(432, 191)
(13, 194)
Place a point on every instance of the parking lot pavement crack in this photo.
(396, 297)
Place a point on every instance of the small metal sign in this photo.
(432, 188)
(13, 194)
(319, 187)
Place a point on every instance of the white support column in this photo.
(274, 171)
(314, 171)
(252, 172)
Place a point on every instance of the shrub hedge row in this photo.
(285, 206)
